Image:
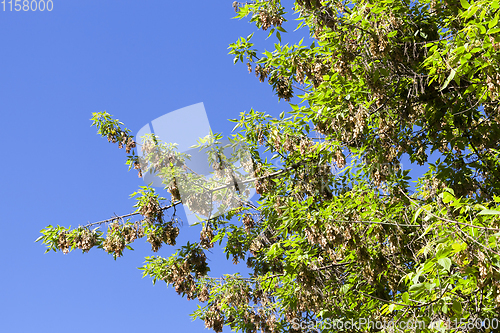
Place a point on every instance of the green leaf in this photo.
(446, 263)
(493, 22)
(392, 33)
(405, 297)
(416, 288)
(448, 80)
(481, 28)
(447, 197)
(457, 307)
(489, 212)
(415, 217)
(465, 4)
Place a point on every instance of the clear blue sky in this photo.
(137, 60)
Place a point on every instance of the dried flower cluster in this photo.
(248, 222)
(85, 240)
(268, 19)
(158, 234)
(119, 235)
(206, 236)
(63, 242)
(261, 73)
(183, 274)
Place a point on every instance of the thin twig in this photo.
(128, 215)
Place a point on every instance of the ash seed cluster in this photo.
(206, 237)
(248, 222)
(63, 242)
(162, 234)
(119, 236)
(180, 274)
(268, 19)
(261, 73)
(85, 240)
(123, 139)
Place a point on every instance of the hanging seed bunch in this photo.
(289, 143)
(301, 71)
(268, 19)
(214, 320)
(204, 293)
(262, 184)
(182, 274)
(159, 234)
(201, 203)
(118, 236)
(247, 163)
(85, 239)
(233, 299)
(152, 154)
(319, 69)
(248, 222)
(137, 166)
(63, 242)
(114, 242)
(283, 87)
(148, 204)
(206, 237)
(152, 210)
(261, 72)
(125, 141)
(131, 232)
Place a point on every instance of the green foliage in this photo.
(339, 232)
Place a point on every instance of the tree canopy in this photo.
(340, 231)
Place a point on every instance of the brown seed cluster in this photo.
(237, 296)
(206, 237)
(204, 294)
(261, 73)
(263, 186)
(183, 275)
(162, 234)
(214, 320)
(137, 166)
(283, 88)
(200, 203)
(379, 45)
(85, 240)
(132, 232)
(152, 210)
(119, 236)
(494, 43)
(493, 84)
(312, 69)
(248, 222)
(268, 19)
(114, 242)
(63, 242)
(123, 139)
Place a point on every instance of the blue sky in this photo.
(137, 60)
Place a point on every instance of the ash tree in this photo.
(340, 231)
